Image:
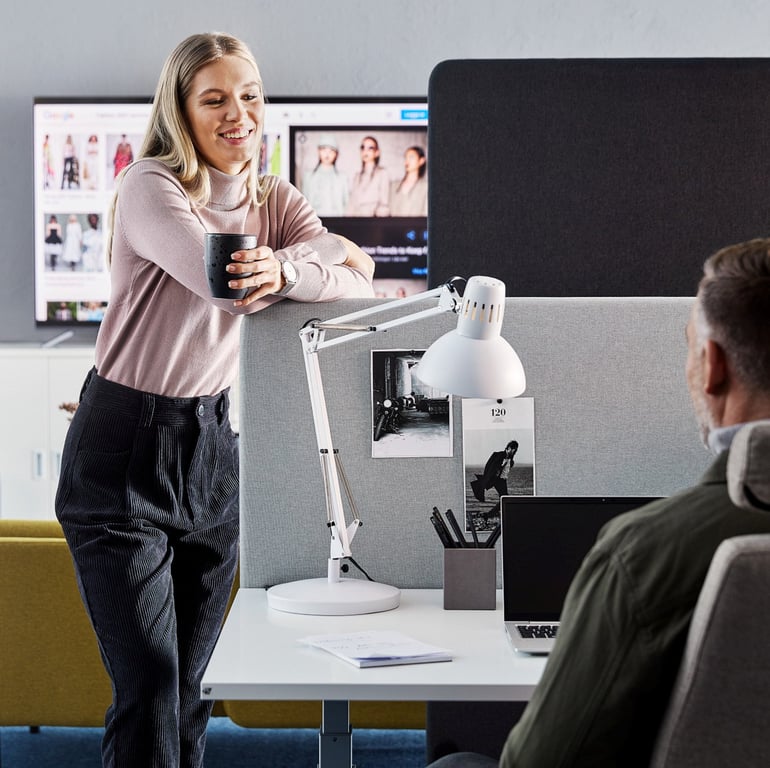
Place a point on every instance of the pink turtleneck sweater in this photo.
(162, 331)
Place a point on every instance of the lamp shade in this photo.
(474, 360)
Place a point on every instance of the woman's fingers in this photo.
(256, 269)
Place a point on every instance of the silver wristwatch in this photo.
(289, 272)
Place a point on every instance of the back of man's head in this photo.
(734, 304)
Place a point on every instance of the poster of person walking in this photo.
(498, 455)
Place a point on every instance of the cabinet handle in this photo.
(38, 465)
(56, 463)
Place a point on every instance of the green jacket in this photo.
(624, 625)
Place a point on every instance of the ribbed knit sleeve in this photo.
(162, 331)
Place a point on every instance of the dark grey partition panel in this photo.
(609, 177)
(612, 416)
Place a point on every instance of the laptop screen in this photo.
(544, 540)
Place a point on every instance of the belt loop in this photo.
(148, 408)
(87, 381)
(223, 405)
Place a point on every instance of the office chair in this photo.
(717, 714)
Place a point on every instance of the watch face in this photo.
(289, 272)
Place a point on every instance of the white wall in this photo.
(307, 47)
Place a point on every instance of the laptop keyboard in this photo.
(537, 630)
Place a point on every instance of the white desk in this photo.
(257, 657)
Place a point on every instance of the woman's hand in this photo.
(357, 259)
(259, 269)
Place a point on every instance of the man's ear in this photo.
(715, 372)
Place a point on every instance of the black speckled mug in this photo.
(219, 246)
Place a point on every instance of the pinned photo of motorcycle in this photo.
(409, 418)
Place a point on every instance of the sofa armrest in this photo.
(51, 672)
(30, 529)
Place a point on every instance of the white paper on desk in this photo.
(378, 648)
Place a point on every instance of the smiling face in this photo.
(225, 110)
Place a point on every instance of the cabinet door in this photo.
(25, 473)
(65, 380)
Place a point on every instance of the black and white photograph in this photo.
(498, 455)
(409, 418)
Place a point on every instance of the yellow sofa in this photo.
(50, 669)
(51, 672)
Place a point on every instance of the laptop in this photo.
(544, 540)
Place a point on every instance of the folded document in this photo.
(378, 648)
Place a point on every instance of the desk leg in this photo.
(335, 743)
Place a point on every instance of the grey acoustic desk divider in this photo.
(595, 177)
(612, 417)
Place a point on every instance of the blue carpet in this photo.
(228, 746)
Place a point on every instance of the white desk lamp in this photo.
(471, 361)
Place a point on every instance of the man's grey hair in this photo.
(733, 309)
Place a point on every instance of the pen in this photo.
(456, 528)
(474, 533)
(442, 532)
(440, 520)
(493, 537)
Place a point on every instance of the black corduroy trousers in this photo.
(148, 500)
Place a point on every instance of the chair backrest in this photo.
(717, 714)
(748, 478)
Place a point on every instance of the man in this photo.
(495, 472)
(625, 620)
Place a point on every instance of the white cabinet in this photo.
(34, 382)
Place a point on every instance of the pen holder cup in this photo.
(470, 579)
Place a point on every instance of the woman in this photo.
(148, 495)
(370, 187)
(92, 245)
(70, 172)
(48, 177)
(73, 242)
(325, 187)
(91, 163)
(53, 241)
(409, 196)
(124, 155)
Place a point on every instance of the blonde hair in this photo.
(168, 138)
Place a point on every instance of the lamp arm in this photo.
(449, 301)
(326, 343)
(387, 305)
(339, 532)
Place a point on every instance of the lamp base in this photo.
(321, 597)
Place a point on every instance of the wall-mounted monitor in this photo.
(82, 144)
